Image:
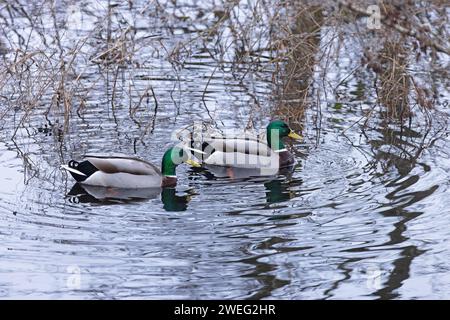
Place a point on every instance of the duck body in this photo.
(117, 171)
(122, 171)
(244, 153)
(265, 153)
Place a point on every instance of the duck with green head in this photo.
(121, 171)
(247, 151)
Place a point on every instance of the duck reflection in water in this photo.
(104, 195)
(278, 191)
(278, 187)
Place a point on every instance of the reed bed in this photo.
(54, 54)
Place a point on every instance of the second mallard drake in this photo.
(121, 171)
(247, 151)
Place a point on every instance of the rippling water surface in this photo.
(364, 213)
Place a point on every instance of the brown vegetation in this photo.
(303, 41)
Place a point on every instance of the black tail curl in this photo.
(84, 167)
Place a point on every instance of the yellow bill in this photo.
(193, 163)
(295, 136)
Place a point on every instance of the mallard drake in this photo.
(247, 151)
(121, 171)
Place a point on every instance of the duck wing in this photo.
(244, 142)
(246, 135)
(245, 145)
(117, 163)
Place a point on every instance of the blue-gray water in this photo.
(364, 213)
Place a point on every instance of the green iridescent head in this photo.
(172, 158)
(276, 130)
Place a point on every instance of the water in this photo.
(362, 215)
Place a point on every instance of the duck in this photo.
(128, 172)
(266, 154)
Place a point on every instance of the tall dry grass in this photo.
(47, 64)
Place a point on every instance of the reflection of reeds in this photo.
(410, 33)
